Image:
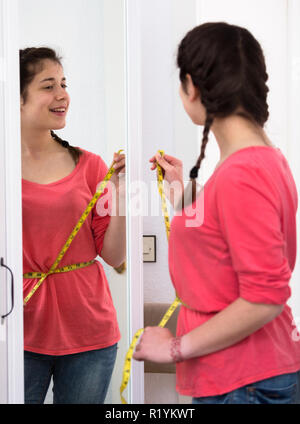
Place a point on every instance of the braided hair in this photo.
(31, 63)
(227, 65)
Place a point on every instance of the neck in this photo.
(235, 132)
(36, 142)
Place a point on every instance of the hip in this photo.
(280, 389)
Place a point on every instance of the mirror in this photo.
(89, 36)
(166, 126)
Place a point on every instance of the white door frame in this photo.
(134, 174)
(13, 199)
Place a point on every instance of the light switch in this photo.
(149, 248)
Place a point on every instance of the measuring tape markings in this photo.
(59, 270)
(175, 304)
(77, 227)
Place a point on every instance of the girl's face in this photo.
(47, 100)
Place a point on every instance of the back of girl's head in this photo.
(31, 63)
(227, 65)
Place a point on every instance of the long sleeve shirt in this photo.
(239, 240)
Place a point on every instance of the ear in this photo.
(192, 90)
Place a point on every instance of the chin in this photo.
(58, 127)
(198, 121)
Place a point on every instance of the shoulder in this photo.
(93, 161)
(251, 163)
(93, 168)
(251, 170)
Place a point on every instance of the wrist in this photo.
(120, 187)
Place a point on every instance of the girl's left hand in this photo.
(154, 345)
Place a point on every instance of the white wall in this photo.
(165, 125)
(89, 35)
(72, 28)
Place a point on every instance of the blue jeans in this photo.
(281, 389)
(81, 378)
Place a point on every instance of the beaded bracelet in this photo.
(175, 349)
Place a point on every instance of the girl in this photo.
(235, 331)
(70, 326)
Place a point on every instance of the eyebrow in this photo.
(51, 79)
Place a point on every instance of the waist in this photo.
(66, 268)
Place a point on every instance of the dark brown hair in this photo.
(31, 63)
(227, 65)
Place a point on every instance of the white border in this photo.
(12, 146)
(134, 173)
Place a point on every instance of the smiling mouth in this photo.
(58, 110)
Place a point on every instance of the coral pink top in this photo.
(70, 312)
(245, 247)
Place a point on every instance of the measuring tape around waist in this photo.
(66, 268)
(175, 304)
(66, 246)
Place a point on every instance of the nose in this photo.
(61, 93)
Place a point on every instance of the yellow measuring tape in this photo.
(177, 301)
(59, 270)
(77, 227)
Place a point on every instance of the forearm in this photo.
(181, 196)
(228, 327)
(174, 193)
(114, 245)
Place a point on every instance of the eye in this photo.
(49, 87)
(64, 86)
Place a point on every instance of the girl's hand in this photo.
(172, 167)
(118, 177)
(173, 175)
(154, 345)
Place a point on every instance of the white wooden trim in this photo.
(13, 198)
(134, 160)
(293, 137)
(3, 273)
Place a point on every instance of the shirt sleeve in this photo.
(249, 213)
(101, 212)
